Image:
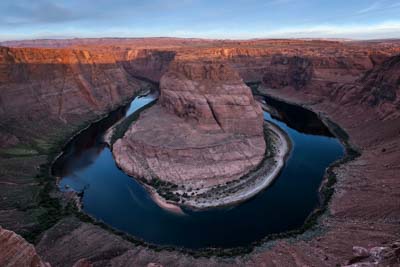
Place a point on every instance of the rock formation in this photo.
(15, 251)
(387, 255)
(206, 129)
(381, 86)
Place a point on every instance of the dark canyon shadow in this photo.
(297, 118)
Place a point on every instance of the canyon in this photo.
(51, 89)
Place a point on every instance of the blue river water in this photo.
(118, 200)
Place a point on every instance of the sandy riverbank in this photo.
(162, 203)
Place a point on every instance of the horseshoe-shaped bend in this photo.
(207, 164)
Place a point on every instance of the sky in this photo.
(216, 19)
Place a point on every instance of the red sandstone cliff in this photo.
(63, 84)
(213, 95)
(381, 87)
(15, 251)
(45, 91)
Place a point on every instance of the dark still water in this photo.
(119, 201)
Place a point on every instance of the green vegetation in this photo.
(19, 151)
(165, 189)
(46, 207)
(49, 211)
(253, 86)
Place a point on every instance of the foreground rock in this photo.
(207, 130)
(16, 251)
(387, 255)
(72, 242)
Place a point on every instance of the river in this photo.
(120, 201)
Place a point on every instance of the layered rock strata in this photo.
(206, 130)
(16, 251)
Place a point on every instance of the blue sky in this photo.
(233, 19)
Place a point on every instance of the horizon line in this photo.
(65, 38)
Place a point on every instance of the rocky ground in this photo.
(355, 84)
(16, 251)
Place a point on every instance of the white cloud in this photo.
(390, 29)
(381, 30)
(372, 7)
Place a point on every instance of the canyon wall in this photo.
(43, 88)
(63, 84)
(146, 63)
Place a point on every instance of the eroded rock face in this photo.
(16, 251)
(206, 129)
(377, 90)
(213, 95)
(62, 87)
(388, 255)
(289, 71)
(150, 64)
(383, 83)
